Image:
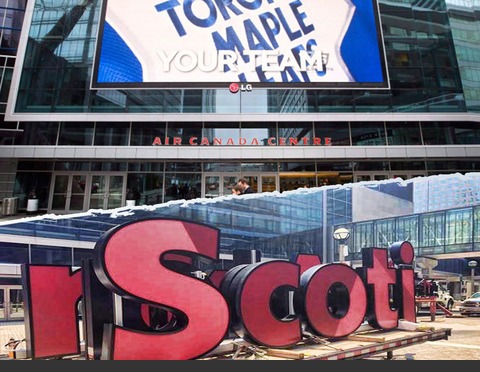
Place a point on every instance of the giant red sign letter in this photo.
(51, 316)
(260, 291)
(403, 254)
(380, 280)
(129, 261)
(335, 299)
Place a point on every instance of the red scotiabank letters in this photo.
(146, 296)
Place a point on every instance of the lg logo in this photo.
(236, 87)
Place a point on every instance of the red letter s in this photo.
(128, 261)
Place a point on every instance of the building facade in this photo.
(81, 148)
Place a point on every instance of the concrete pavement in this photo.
(10, 330)
(463, 344)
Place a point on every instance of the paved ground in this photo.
(8, 330)
(463, 344)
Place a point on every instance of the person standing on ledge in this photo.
(243, 182)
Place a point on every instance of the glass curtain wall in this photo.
(442, 232)
(420, 49)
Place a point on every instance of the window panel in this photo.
(51, 255)
(39, 134)
(368, 134)
(11, 253)
(403, 133)
(111, 134)
(184, 132)
(384, 233)
(144, 134)
(459, 226)
(432, 233)
(337, 133)
(76, 134)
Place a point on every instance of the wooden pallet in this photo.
(355, 346)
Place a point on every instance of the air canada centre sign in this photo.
(145, 296)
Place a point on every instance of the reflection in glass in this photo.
(336, 133)
(72, 165)
(432, 233)
(109, 166)
(184, 132)
(368, 134)
(148, 187)
(222, 167)
(296, 134)
(145, 166)
(212, 186)
(269, 183)
(60, 189)
(144, 134)
(115, 191)
(259, 167)
(16, 308)
(78, 192)
(221, 134)
(40, 134)
(51, 255)
(182, 186)
(76, 134)
(258, 133)
(459, 226)
(97, 192)
(111, 134)
(2, 304)
(80, 254)
(447, 133)
(183, 167)
(228, 183)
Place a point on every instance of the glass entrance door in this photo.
(11, 303)
(106, 191)
(74, 192)
(69, 190)
(268, 183)
(262, 182)
(219, 184)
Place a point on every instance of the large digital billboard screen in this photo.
(212, 43)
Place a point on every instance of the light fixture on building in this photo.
(341, 235)
(472, 265)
